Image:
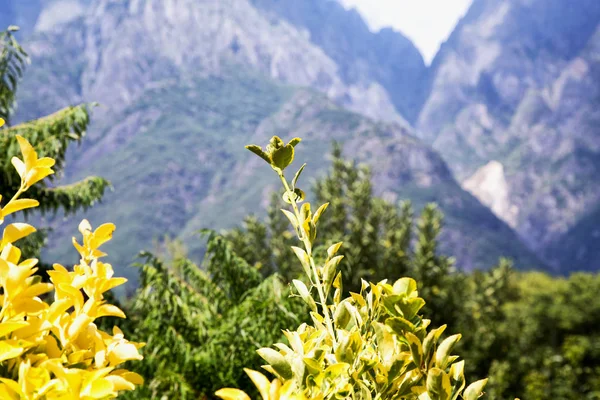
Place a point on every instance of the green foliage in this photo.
(381, 235)
(543, 342)
(50, 136)
(201, 325)
(13, 60)
(370, 345)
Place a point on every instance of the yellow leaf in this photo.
(36, 174)
(16, 231)
(123, 352)
(29, 154)
(132, 377)
(232, 394)
(19, 166)
(103, 233)
(260, 381)
(101, 388)
(18, 205)
(119, 383)
(109, 310)
(11, 349)
(77, 326)
(45, 162)
(8, 327)
(1, 122)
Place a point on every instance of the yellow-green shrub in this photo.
(371, 345)
(54, 350)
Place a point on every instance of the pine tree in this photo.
(50, 136)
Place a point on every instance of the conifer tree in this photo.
(50, 135)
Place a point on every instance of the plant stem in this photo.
(308, 246)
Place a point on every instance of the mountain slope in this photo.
(516, 84)
(206, 78)
(386, 56)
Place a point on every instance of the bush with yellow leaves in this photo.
(55, 351)
(373, 345)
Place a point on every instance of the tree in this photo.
(381, 233)
(201, 323)
(50, 136)
(372, 344)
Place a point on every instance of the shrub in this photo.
(55, 350)
(370, 345)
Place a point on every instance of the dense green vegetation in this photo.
(534, 336)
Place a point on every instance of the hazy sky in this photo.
(427, 23)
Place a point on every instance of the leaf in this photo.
(443, 351)
(303, 257)
(297, 176)
(291, 217)
(415, 349)
(260, 381)
(319, 212)
(18, 205)
(297, 196)
(294, 141)
(474, 390)
(277, 361)
(431, 340)
(259, 152)
(16, 231)
(11, 349)
(232, 394)
(282, 157)
(405, 286)
(438, 384)
(457, 378)
(400, 325)
(305, 294)
(333, 249)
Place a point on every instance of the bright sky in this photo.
(428, 23)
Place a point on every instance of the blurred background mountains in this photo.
(502, 130)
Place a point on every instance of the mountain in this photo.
(513, 101)
(184, 84)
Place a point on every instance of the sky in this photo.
(428, 23)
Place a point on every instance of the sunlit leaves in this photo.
(55, 350)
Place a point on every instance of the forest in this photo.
(336, 294)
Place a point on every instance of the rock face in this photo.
(518, 82)
(489, 185)
(185, 83)
(205, 36)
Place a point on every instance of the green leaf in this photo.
(297, 176)
(259, 152)
(291, 217)
(341, 316)
(303, 257)
(297, 196)
(443, 352)
(333, 249)
(319, 212)
(294, 141)
(282, 157)
(415, 349)
(431, 340)
(277, 361)
(474, 390)
(438, 384)
(400, 325)
(457, 378)
(405, 286)
(305, 294)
